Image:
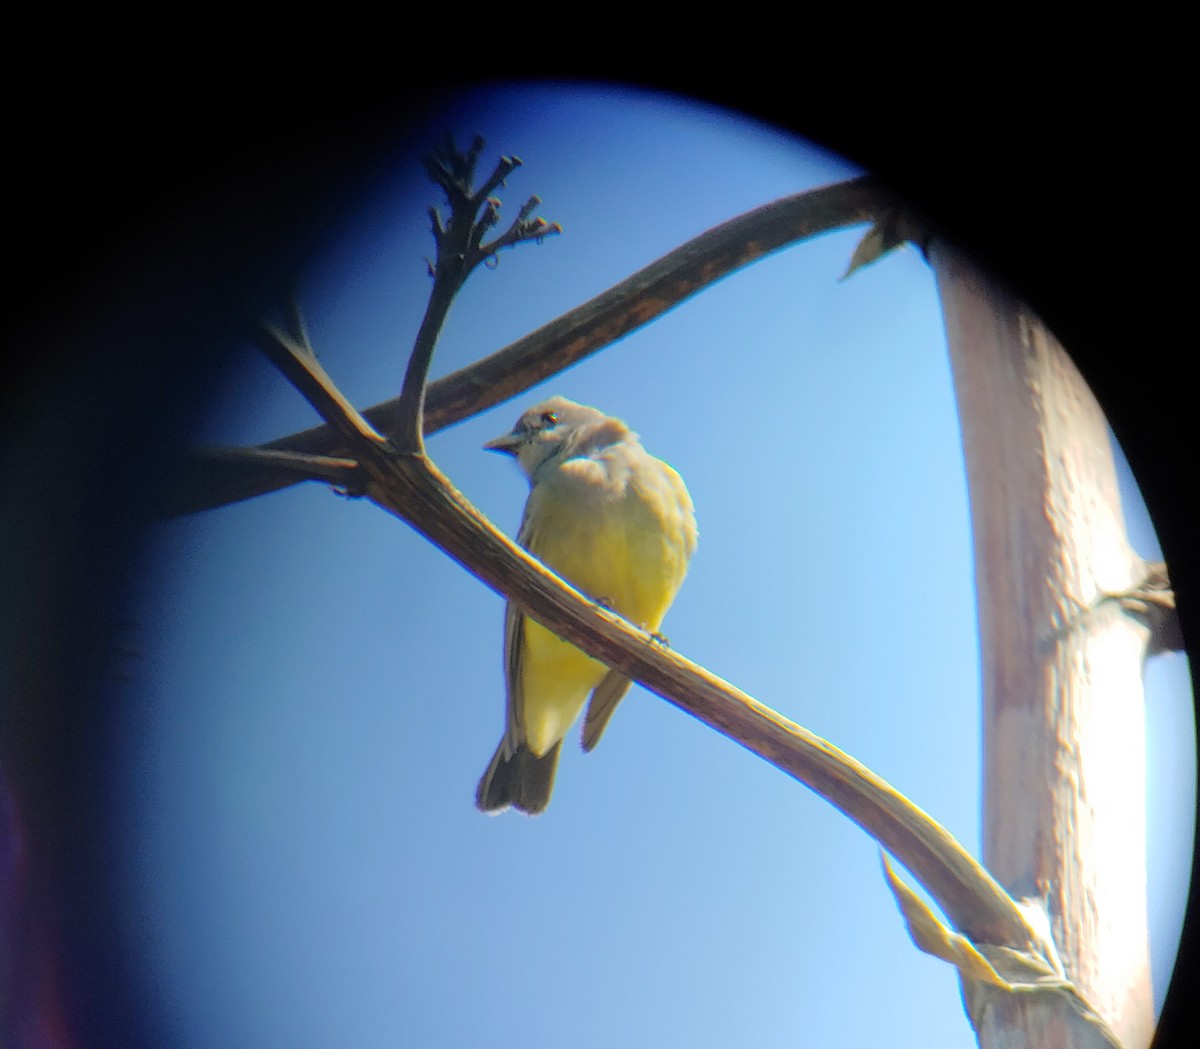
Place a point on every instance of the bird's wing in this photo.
(514, 644)
(514, 647)
(605, 698)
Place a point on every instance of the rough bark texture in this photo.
(1064, 733)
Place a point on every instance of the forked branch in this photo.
(412, 488)
(459, 249)
(213, 480)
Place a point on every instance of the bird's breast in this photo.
(618, 541)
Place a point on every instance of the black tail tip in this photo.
(521, 780)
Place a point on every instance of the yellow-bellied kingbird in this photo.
(618, 525)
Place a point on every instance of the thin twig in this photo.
(460, 248)
(261, 466)
(301, 367)
(328, 469)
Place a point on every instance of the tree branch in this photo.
(590, 327)
(460, 249)
(411, 487)
(257, 465)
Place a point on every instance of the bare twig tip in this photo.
(528, 207)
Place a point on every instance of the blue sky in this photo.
(320, 688)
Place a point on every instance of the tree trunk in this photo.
(1064, 735)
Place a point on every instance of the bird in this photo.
(616, 523)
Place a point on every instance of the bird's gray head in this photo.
(558, 428)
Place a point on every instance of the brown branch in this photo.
(262, 465)
(303, 370)
(627, 306)
(460, 249)
(411, 487)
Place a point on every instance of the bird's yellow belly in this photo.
(558, 678)
(616, 552)
(624, 563)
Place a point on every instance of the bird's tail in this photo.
(520, 779)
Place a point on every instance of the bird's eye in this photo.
(549, 419)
